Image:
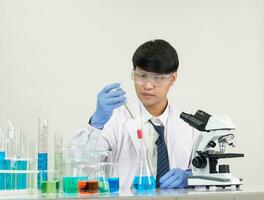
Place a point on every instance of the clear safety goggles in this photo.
(158, 80)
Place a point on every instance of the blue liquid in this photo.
(42, 165)
(144, 183)
(113, 184)
(2, 166)
(8, 176)
(2, 155)
(21, 178)
(11, 181)
(2, 175)
(70, 183)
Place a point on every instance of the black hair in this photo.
(156, 56)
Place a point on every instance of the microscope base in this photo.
(219, 180)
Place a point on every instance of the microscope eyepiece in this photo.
(198, 121)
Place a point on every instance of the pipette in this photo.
(129, 110)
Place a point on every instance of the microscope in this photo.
(212, 130)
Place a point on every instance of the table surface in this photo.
(252, 193)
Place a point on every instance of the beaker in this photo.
(144, 179)
(112, 175)
(49, 182)
(89, 186)
(92, 168)
(96, 156)
(72, 159)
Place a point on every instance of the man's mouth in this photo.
(147, 94)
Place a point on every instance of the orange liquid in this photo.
(88, 187)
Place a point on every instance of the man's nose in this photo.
(148, 85)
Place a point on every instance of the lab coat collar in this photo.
(132, 125)
(147, 116)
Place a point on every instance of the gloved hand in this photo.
(111, 97)
(175, 178)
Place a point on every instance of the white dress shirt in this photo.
(150, 135)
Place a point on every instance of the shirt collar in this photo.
(156, 120)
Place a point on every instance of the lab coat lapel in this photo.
(170, 139)
(174, 140)
(132, 126)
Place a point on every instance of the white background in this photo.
(55, 56)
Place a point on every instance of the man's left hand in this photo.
(175, 178)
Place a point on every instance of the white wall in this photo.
(56, 55)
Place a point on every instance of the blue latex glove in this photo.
(111, 97)
(175, 178)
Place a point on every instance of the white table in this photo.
(248, 193)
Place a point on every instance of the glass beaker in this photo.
(96, 156)
(112, 175)
(89, 186)
(49, 182)
(72, 167)
(92, 168)
(144, 179)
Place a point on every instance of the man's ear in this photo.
(174, 78)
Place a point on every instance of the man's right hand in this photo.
(111, 97)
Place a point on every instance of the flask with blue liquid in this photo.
(144, 179)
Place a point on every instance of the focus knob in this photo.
(199, 162)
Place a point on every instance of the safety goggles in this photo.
(158, 80)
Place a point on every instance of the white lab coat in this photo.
(120, 136)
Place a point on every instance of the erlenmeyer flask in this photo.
(102, 179)
(144, 179)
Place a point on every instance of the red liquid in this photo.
(88, 187)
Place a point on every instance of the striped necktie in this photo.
(162, 154)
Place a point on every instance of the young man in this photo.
(168, 139)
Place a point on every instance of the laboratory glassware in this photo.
(72, 167)
(49, 183)
(144, 179)
(42, 148)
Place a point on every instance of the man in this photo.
(168, 139)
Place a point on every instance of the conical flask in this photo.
(103, 184)
(144, 179)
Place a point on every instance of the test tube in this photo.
(2, 159)
(22, 162)
(42, 148)
(58, 155)
(2, 144)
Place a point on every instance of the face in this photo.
(152, 88)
